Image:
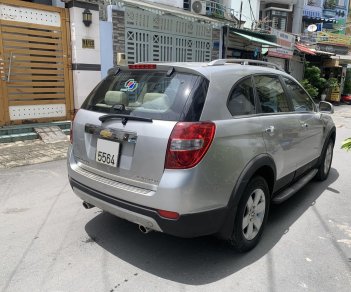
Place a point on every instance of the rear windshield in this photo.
(150, 94)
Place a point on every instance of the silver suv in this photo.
(193, 149)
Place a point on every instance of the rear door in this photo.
(310, 121)
(281, 128)
(124, 125)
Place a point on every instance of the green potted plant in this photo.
(329, 4)
(329, 8)
(313, 82)
(312, 91)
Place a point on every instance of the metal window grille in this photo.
(154, 37)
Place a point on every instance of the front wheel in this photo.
(251, 216)
(324, 167)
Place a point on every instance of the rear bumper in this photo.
(187, 225)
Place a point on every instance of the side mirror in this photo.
(326, 107)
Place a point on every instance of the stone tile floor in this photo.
(31, 152)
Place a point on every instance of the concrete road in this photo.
(50, 243)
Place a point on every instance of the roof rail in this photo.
(244, 62)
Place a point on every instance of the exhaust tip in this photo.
(86, 205)
(144, 229)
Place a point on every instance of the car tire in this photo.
(251, 215)
(327, 158)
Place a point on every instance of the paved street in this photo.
(49, 242)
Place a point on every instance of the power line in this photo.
(253, 16)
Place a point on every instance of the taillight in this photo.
(142, 66)
(71, 129)
(188, 144)
(71, 135)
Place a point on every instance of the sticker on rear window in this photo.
(130, 85)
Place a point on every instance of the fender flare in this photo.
(250, 169)
(331, 132)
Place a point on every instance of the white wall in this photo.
(106, 47)
(83, 80)
(246, 12)
(175, 3)
(227, 3)
(58, 3)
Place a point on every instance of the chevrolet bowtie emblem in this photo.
(105, 133)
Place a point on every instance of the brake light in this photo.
(71, 129)
(188, 144)
(142, 66)
(168, 214)
(71, 135)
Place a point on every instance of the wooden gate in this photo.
(35, 63)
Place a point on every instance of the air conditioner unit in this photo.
(198, 7)
(121, 59)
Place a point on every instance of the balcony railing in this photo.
(219, 10)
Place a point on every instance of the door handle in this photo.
(10, 67)
(270, 130)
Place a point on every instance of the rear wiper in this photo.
(124, 118)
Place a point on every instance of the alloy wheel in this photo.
(328, 158)
(254, 214)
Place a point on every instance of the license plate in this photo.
(107, 152)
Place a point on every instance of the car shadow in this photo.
(201, 260)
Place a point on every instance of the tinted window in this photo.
(150, 94)
(241, 100)
(300, 99)
(271, 94)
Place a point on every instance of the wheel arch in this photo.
(262, 165)
(331, 135)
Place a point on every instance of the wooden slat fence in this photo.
(36, 78)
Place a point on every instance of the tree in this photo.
(313, 82)
(329, 4)
(312, 91)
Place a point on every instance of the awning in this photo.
(257, 40)
(318, 52)
(304, 49)
(343, 59)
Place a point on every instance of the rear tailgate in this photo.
(132, 150)
(137, 150)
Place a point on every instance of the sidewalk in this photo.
(36, 151)
(31, 152)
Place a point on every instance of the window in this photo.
(150, 94)
(341, 3)
(271, 94)
(278, 19)
(241, 100)
(300, 99)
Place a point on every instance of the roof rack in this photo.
(244, 62)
